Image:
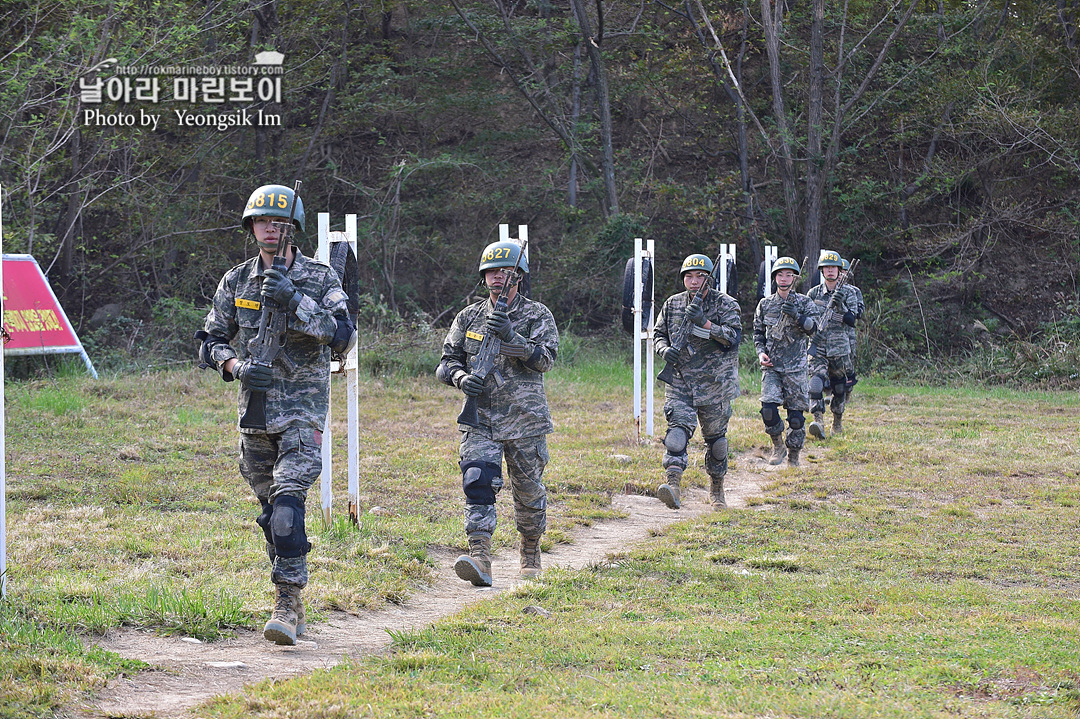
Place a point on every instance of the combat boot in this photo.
(475, 567)
(793, 457)
(301, 619)
(837, 424)
(779, 451)
(668, 492)
(281, 629)
(817, 427)
(530, 556)
(716, 494)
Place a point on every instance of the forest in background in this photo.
(934, 140)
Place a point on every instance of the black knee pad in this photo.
(263, 520)
(676, 439)
(839, 385)
(717, 446)
(770, 414)
(795, 419)
(716, 450)
(480, 480)
(850, 381)
(817, 386)
(287, 527)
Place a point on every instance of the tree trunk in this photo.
(815, 162)
(772, 24)
(67, 257)
(592, 47)
(575, 113)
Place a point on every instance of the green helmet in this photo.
(696, 262)
(830, 258)
(273, 201)
(846, 265)
(785, 263)
(502, 254)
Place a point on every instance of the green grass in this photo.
(924, 564)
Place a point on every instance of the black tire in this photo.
(628, 294)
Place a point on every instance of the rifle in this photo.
(484, 363)
(682, 334)
(830, 310)
(777, 330)
(268, 345)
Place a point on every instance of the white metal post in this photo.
(326, 490)
(637, 337)
(3, 450)
(352, 379)
(643, 335)
(771, 253)
(650, 356)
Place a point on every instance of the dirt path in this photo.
(187, 673)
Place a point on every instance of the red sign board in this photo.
(32, 315)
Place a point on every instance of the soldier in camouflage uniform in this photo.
(281, 459)
(782, 323)
(830, 353)
(511, 407)
(860, 308)
(705, 379)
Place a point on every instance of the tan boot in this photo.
(817, 427)
(793, 457)
(530, 556)
(301, 618)
(669, 492)
(779, 451)
(716, 494)
(475, 567)
(837, 424)
(281, 629)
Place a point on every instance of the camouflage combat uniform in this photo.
(832, 349)
(512, 410)
(705, 382)
(286, 457)
(785, 383)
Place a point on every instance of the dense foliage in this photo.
(934, 141)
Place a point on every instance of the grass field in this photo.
(926, 564)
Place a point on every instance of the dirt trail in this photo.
(186, 674)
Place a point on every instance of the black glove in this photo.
(695, 314)
(670, 355)
(498, 323)
(788, 308)
(849, 318)
(281, 289)
(256, 377)
(471, 385)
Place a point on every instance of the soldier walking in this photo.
(782, 323)
(705, 380)
(830, 353)
(280, 458)
(511, 407)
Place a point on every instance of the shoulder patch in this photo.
(335, 295)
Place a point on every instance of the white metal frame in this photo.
(522, 238)
(727, 252)
(644, 336)
(771, 253)
(326, 237)
(3, 422)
